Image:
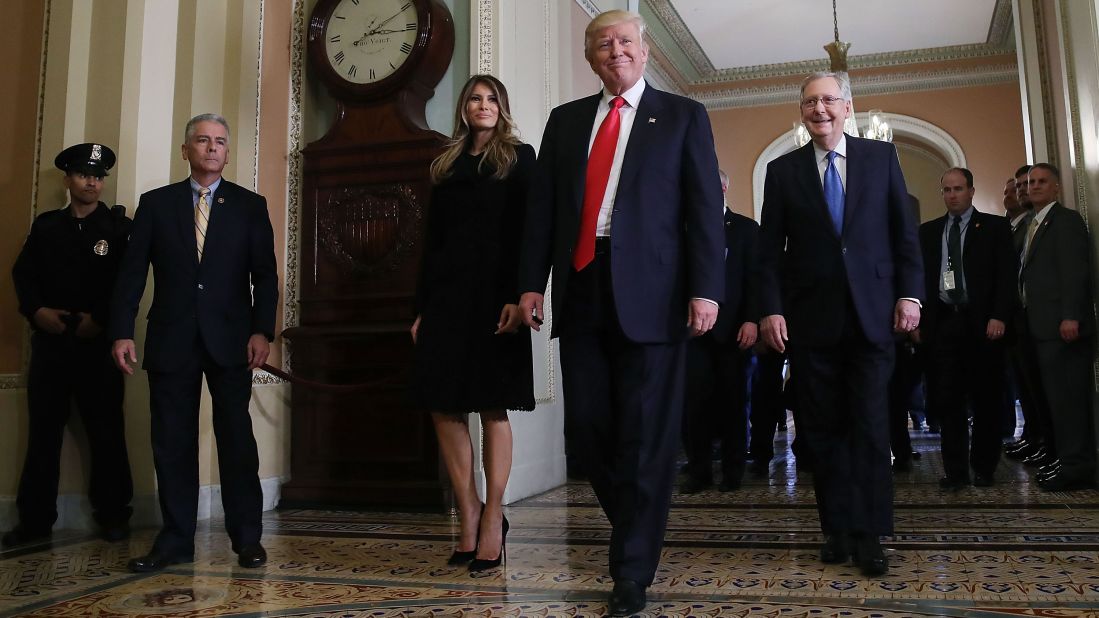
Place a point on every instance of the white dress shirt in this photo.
(841, 161)
(627, 113)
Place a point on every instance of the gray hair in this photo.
(840, 76)
(189, 132)
(613, 18)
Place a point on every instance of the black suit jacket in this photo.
(989, 264)
(741, 239)
(666, 244)
(807, 271)
(1056, 275)
(223, 300)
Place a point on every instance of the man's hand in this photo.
(415, 330)
(87, 328)
(995, 330)
(1070, 330)
(121, 351)
(701, 315)
(258, 350)
(906, 316)
(747, 335)
(510, 319)
(773, 332)
(50, 320)
(530, 309)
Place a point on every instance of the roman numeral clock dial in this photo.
(368, 40)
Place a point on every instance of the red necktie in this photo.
(595, 184)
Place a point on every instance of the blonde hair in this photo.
(612, 18)
(499, 152)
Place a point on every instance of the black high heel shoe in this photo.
(459, 558)
(480, 564)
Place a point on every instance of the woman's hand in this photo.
(510, 319)
(415, 329)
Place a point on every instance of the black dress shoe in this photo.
(156, 560)
(1050, 467)
(836, 549)
(252, 556)
(112, 533)
(627, 598)
(871, 557)
(1048, 474)
(983, 480)
(22, 535)
(953, 483)
(759, 467)
(729, 484)
(1064, 482)
(691, 485)
(1040, 458)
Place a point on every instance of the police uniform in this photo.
(70, 263)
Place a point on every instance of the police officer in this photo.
(63, 279)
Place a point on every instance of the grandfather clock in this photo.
(364, 200)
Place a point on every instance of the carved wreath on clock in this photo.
(369, 230)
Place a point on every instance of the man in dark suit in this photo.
(1024, 357)
(1055, 286)
(840, 271)
(717, 365)
(211, 247)
(626, 209)
(970, 291)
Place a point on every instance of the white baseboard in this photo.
(74, 512)
(530, 479)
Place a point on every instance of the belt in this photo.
(956, 308)
(602, 244)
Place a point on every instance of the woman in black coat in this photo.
(471, 355)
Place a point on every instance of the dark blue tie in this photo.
(833, 193)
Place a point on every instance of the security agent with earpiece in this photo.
(63, 279)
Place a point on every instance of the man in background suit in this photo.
(626, 209)
(840, 271)
(211, 247)
(970, 291)
(717, 365)
(1055, 285)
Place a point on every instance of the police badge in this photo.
(97, 154)
(100, 247)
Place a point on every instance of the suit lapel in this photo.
(856, 176)
(972, 235)
(809, 178)
(641, 134)
(581, 136)
(185, 216)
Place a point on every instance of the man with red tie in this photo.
(626, 209)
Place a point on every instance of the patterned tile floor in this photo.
(1009, 550)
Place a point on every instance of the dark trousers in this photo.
(966, 372)
(717, 393)
(65, 371)
(844, 417)
(1067, 379)
(1037, 426)
(624, 405)
(175, 404)
(907, 373)
(768, 407)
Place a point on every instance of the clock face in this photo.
(368, 40)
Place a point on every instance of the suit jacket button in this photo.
(843, 250)
(200, 287)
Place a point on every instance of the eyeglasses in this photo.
(828, 101)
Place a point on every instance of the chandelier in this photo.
(877, 126)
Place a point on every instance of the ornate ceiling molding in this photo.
(1000, 41)
(890, 83)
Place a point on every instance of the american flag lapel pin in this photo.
(652, 120)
